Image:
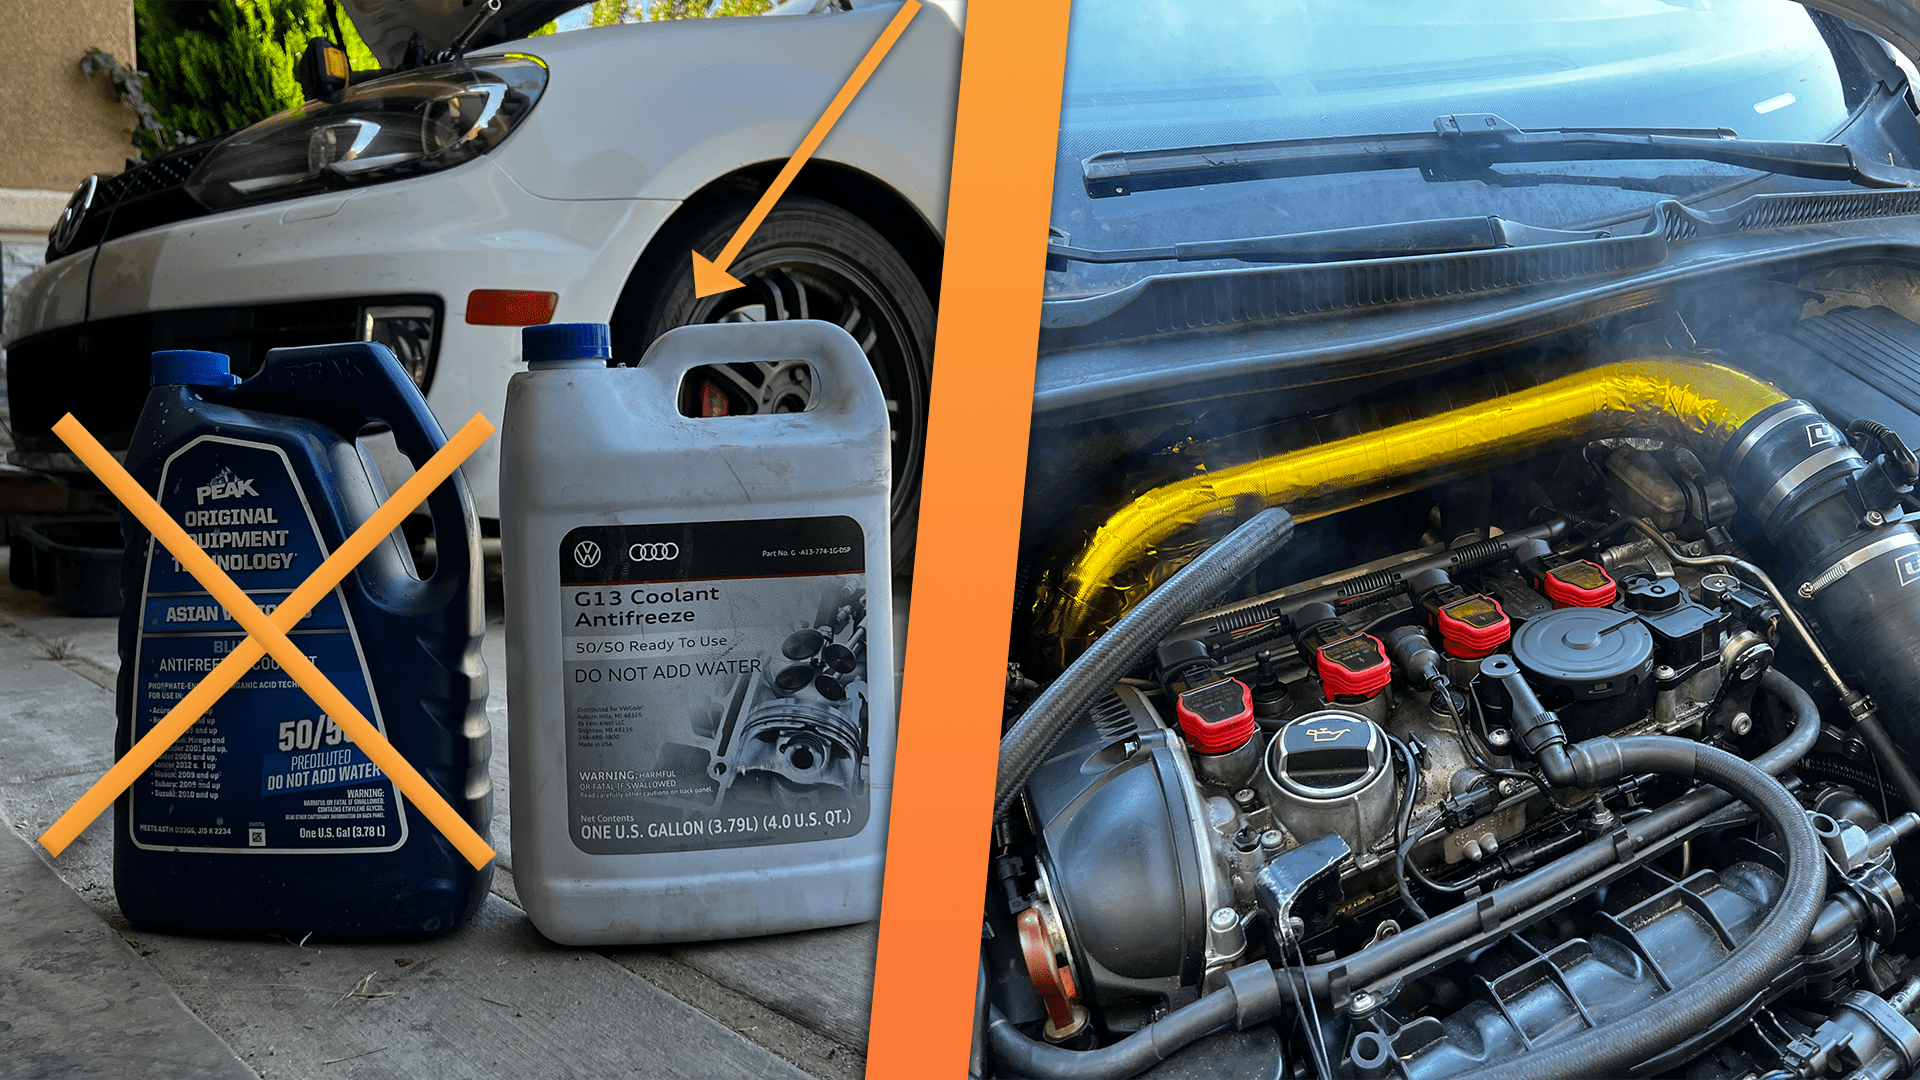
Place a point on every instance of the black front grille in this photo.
(139, 199)
(98, 370)
(157, 175)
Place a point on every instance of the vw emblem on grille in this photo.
(68, 227)
(586, 553)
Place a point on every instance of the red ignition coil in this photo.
(1566, 582)
(1579, 584)
(1472, 626)
(1217, 717)
(1353, 669)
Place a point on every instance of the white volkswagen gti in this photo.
(562, 178)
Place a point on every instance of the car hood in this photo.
(1897, 22)
(387, 27)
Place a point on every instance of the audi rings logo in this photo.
(653, 552)
(586, 553)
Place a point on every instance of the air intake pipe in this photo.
(1440, 434)
(1826, 509)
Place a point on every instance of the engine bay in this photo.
(1583, 746)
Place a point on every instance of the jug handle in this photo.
(352, 384)
(843, 381)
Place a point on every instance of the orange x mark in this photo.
(267, 635)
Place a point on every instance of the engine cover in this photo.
(1133, 863)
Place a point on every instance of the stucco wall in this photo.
(57, 125)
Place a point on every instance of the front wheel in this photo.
(807, 260)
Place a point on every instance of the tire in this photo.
(808, 259)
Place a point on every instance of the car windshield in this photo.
(1163, 74)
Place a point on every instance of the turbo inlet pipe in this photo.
(1828, 511)
(1486, 423)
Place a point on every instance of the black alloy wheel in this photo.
(807, 260)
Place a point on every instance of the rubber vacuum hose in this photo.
(1613, 1048)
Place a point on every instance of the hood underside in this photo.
(1897, 22)
(388, 25)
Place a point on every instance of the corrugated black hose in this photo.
(1195, 586)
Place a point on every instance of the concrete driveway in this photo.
(85, 993)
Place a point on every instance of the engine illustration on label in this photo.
(264, 771)
(715, 683)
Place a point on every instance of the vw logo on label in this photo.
(653, 552)
(586, 553)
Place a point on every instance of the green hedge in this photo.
(215, 65)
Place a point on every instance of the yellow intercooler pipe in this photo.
(1475, 427)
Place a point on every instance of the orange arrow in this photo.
(710, 275)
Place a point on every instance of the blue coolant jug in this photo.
(264, 817)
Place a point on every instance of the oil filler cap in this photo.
(1328, 755)
(1217, 717)
(1588, 652)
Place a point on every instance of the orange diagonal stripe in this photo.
(1005, 136)
(267, 635)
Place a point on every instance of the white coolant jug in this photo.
(699, 639)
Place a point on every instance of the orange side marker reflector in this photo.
(510, 307)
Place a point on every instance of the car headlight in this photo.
(384, 129)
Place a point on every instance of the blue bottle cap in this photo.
(192, 367)
(566, 341)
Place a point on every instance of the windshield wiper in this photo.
(1433, 237)
(1463, 146)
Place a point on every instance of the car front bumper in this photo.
(289, 273)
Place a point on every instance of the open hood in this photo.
(1897, 22)
(388, 25)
